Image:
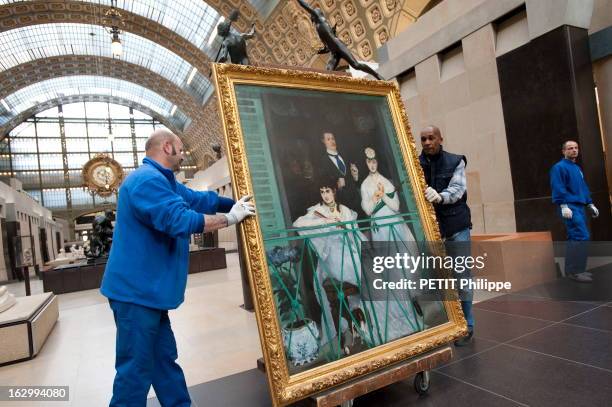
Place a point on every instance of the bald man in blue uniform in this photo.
(571, 193)
(146, 273)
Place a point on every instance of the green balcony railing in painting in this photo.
(350, 321)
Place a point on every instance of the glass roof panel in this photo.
(193, 20)
(49, 89)
(47, 40)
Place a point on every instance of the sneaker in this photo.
(466, 340)
(581, 277)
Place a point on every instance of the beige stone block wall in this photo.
(602, 15)
(463, 99)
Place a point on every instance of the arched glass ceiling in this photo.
(42, 91)
(193, 20)
(47, 40)
(71, 99)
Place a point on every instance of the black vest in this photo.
(439, 169)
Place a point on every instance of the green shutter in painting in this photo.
(263, 178)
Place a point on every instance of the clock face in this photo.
(103, 175)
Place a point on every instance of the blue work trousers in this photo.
(576, 250)
(146, 355)
(463, 249)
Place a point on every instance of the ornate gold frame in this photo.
(284, 388)
(91, 185)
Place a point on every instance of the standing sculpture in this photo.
(233, 45)
(332, 44)
(216, 147)
(102, 235)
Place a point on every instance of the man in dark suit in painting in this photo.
(334, 165)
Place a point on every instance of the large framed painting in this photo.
(332, 167)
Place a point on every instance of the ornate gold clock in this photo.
(102, 175)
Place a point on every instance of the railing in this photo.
(294, 253)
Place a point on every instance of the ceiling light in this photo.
(116, 47)
(6, 106)
(111, 22)
(173, 110)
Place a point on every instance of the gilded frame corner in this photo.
(284, 388)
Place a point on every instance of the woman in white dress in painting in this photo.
(338, 257)
(379, 199)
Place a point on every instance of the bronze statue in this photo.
(102, 235)
(216, 147)
(332, 44)
(233, 46)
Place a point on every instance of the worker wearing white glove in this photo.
(566, 212)
(432, 195)
(447, 189)
(571, 192)
(241, 209)
(594, 211)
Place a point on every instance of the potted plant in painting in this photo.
(300, 334)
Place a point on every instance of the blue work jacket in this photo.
(156, 216)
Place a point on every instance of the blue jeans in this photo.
(576, 250)
(146, 355)
(464, 249)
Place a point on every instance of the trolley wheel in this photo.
(421, 383)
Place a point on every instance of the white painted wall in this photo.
(18, 206)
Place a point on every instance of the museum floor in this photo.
(528, 350)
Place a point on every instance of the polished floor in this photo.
(215, 338)
(530, 349)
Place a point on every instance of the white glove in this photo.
(594, 210)
(432, 195)
(240, 210)
(566, 212)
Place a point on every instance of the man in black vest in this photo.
(447, 191)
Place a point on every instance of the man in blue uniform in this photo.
(447, 191)
(571, 193)
(146, 273)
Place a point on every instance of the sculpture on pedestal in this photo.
(61, 255)
(233, 46)
(102, 235)
(7, 300)
(216, 147)
(332, 44)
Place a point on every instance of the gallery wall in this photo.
(463, 65)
